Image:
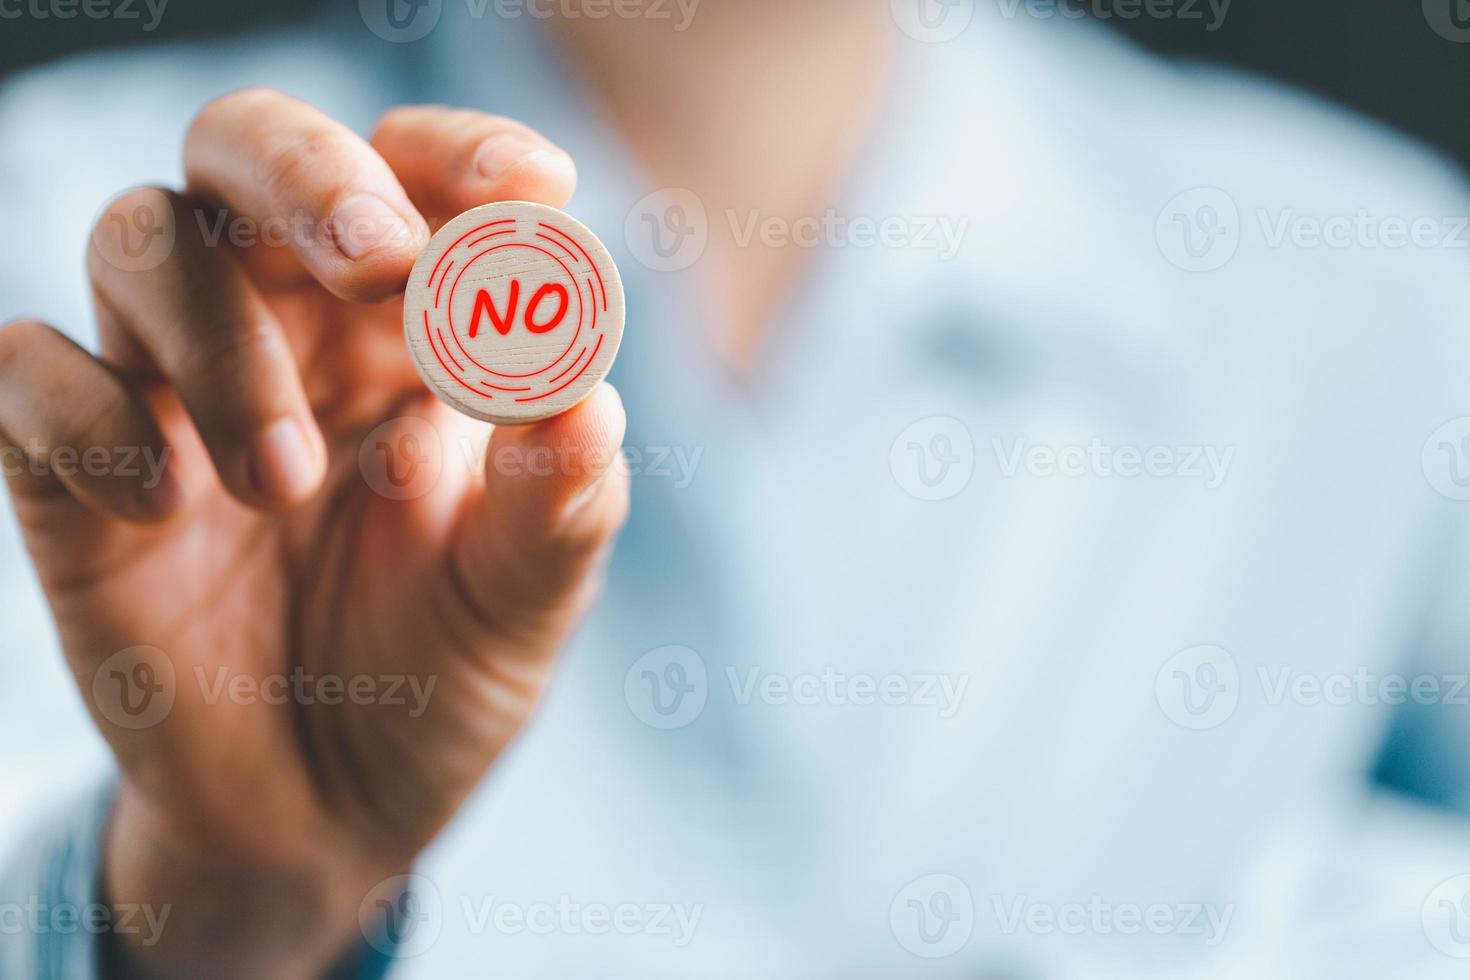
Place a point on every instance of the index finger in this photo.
(268, 157)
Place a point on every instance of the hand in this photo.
(263, 552)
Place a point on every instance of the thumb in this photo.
(530, 547)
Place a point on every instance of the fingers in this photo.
(271, 158)
(451, 160)
(67, 420)
(196, 321)
(554, 499)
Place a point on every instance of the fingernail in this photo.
(499, 153)
(362, 223)
(282, 464)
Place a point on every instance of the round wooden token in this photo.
(513, 312)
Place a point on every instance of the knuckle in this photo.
(19, 337)
(215, 356)
(290, 167)
(91, 419)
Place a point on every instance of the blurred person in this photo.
(1026, 511)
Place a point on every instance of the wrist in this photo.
(222, 915)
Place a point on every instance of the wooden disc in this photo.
(513, 312)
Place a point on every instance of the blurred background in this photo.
(1374, 57)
